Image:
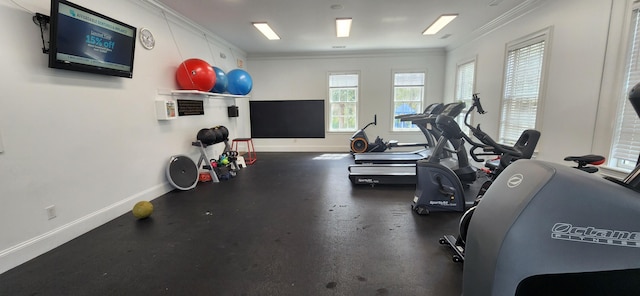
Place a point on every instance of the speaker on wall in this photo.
(232, 111)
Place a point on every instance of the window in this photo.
(408, 94)
(626, 141)
(465, 81)
(343, 102)
(522, 81)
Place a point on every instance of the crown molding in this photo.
(499, 22)
(155, 6)
(348, 54)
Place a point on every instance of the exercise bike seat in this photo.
(585, 160)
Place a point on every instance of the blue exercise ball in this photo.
(239, 82)
(221, 81)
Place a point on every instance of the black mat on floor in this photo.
(291, 224)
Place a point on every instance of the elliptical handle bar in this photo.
(488, 144)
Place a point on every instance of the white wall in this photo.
(305, 77)
(576, 53)
(90, 144)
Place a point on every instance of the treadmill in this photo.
(407, 156)
(404, 173)
(426, 123)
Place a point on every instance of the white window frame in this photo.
(540, 36)
(466, 98)
(393, 96)
(624, 156)
(329, 103)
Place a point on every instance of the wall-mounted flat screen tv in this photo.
(87, 41)
(287, 119)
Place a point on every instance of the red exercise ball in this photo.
(195, 74)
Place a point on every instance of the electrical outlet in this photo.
(51, 212)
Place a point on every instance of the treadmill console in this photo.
(453, 109)
(435, 108)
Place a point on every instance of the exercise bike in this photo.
(544, 228)
(440, 188)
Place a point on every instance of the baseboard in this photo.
(36, 246)
(265, 148)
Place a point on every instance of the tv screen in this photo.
(87, 41)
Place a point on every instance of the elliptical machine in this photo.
(547, 229)
(440, 188)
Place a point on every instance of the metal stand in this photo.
(204, 158)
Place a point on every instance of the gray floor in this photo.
(288, 225)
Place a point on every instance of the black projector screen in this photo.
(287, 119)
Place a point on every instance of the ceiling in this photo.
(307, 26)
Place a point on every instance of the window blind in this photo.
(626, 144)
(464, 89)
(523, 74)
(464, 81)
(343, 80)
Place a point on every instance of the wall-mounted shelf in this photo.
(206, 94)
(173, 103)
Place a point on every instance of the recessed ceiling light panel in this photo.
(440, 23)
(343, 27)
(266, 30)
